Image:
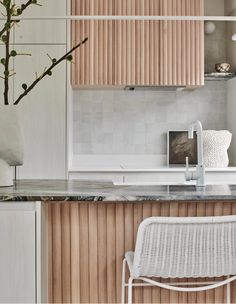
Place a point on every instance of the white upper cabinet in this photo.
(42, 112)
(42, 31)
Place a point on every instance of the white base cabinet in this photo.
(20, 251)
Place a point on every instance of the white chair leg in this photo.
(130, 286)
(123, 283)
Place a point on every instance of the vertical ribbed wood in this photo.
(84, 253)
(93, 61)
(50, 253)
(219, 292)
(120, 244)
(192, 211)
(56, 253)
(75, 257)
(174, 295)
(193, 36)
(181, 44)
(201, 211)
(183, 211)
(210, 294)
(138, 216)
(136, 44)
(111, 254)
(147, 291)
(179, 58)
(65, 253)
(176, 10)
(138, 52)
(201, 45)
(86, 245)
(102, 254)
(165, 294)
(156, 292)
(170, 38)
(93, 253)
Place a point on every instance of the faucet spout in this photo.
(199, 175)
(197, 126)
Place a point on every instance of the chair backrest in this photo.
(186, 247)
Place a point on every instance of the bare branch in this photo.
(48, 71)
(19, 12)
(7, 53)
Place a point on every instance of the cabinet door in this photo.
(181, 44)
(42, 113)
(17, 257)
(139, 52)
(136, 43)
(93, 61)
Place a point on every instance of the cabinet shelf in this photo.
(219, 76)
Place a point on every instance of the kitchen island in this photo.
(89, 225)
(85, 190)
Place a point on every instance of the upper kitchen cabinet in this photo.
(136, 44)
(181, 50)
(129, 53)
(93, 61)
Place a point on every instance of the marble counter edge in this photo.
(113, 199)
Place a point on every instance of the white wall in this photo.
(230, 7)
(215, 43)
(231, 118)
(214, 7)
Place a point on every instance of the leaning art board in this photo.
(179, 146)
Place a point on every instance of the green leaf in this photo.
(3, 61)
(69, 58)
(4, 38)
(24, 86)
(13, 53)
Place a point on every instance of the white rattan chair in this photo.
(182, 247)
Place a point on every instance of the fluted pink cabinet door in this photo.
(121, 53)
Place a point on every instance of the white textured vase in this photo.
(11, 143)
(215, 148)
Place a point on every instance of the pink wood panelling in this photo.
(138, 52)
(86, 245)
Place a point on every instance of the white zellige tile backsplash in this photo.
(136, 122)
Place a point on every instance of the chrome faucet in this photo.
(199, 174)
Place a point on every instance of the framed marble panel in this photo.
(179, 146)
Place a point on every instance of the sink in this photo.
(162, 183)
(149, 183)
